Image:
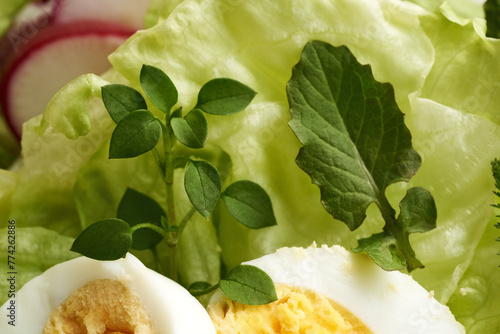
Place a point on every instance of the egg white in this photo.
(386, 302)
(172, 309)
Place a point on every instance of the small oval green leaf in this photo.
(223, 96)
(203, 186)
(158, 87)
(135, 134)
(249, 203)
(136, 208)
(192, 130)
(199, 286)
(248, 285)
(120, 100)
(105, 240)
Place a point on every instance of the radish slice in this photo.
(129, 13)
(53, 42)
(52, 61)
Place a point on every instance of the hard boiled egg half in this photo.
(85, 296)
(330, 290)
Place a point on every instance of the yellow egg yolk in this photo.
(102, 306)
(297, 311)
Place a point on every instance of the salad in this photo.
(444, 74)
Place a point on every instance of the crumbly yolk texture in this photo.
(102, 306)
(297, 311)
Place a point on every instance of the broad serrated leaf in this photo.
(136, 208)
(135, 134)
(249, 204)
(192, 130)
(105, 240)
(158, 87)
(248, 285)
(203, 186)
(492, 16)
(120, 100)
(354, 136)
(223, 96)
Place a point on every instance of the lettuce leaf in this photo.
(475, 302)
(36, 250)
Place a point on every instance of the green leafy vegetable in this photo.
(203, 186)
(249, 203)
(141, 222)
(492, 15)
(41, 248)
(224, 97)
(192, 130)
(495, 166)
(199, 286)
(67, 110)
(135, 134)
(355, 145)
(121, 100)
(105, 240)
(158, 87)
(418, 214)
(137, 208)
(248, 285)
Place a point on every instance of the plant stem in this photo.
(186, 219)
(402, 239)
(173, 235)
(151, 226)
(160, 163)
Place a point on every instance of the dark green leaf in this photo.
(249, 203)
(355, 144)
(135, 134)
(136, 208)
(492, 15)
(192, 130)
(354, 136)
(248, 285)
(495, 167)
(158, 87)
(199, 286)
(383, 250)
(391, 249)
(203, 185)
(105, 240)
(224, 97)
(418, 211)
(120, 100)
(176, 113)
